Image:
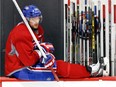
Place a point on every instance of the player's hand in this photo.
(46, 46)
(49, 61)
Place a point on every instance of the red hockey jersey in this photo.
(19, 48)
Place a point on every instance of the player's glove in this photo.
(48, 47)
(49, 61)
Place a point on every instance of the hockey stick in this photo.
(99, 30)
(66, 32)
(109, 8)
(104, 30)
(86, 36)
(86, 33)
(77, 56)
(73, 32)
(90, 32)
(33, 36)
(93, 33)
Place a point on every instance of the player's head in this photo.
(33, 15)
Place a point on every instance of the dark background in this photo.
(52, 11)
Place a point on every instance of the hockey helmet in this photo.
(31, 11)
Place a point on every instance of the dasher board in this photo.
(85, 82)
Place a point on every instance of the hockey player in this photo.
(23, 60)
(20, 48)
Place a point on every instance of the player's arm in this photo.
(27, 55)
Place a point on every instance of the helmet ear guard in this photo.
(41, 18)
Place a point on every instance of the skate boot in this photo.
(101, 68)
(106, 68)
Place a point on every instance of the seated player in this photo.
(23, 60)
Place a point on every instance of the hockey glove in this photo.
(49, 61)
(35, 47)
(48, 47)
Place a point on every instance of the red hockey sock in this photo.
(67, 70)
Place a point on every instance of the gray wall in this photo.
(52, 11)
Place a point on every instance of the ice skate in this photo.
(101, 68)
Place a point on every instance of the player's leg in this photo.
(67, 70)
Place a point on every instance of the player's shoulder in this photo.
(20, 30)
(20, 23)
(21, 26)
